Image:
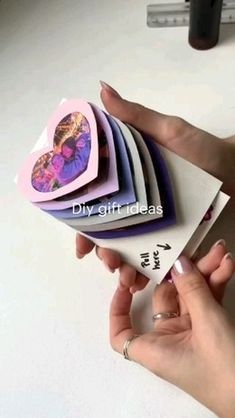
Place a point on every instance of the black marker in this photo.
(204, 23)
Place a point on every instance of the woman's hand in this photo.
(212, 154)
(196, 350)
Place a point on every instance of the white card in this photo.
(218, 205)
(153, 254)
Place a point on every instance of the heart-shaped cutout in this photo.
(131, 168)
(107, 180)
(70, 160)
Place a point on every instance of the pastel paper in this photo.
(97, 188)
(151, 182)
(188, 183)
(98, 222)
(24, 179)
(152, 189)
(126, 194)
(167, 201)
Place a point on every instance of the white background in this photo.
(55, 359)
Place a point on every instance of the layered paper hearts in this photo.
(119, 187)
(96, 174)
(105, 183)
(69, 161)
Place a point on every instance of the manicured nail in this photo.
(108, 267)
(107, 87)
(168, 277)
(182, 266)
(79, 255)
(228, 256)
(220, 242)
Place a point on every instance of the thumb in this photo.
(159, 126)
(193, 289)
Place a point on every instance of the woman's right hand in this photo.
(196, 350)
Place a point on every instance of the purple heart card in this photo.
(167, 200)
(120, 215)
(126, 194)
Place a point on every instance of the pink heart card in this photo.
(151, 183)
(69, 161)
(107, 180)
(97, 222)
(125, 196)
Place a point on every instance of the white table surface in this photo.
(55, 359)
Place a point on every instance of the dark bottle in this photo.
(204, 23)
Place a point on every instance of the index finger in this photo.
(159, 126)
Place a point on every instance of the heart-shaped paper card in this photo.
(126, 194)
(69, 161)
(107, 180)
(149, 176)
(133, 162)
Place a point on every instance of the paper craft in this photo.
(124, 168)
(99, 221)
(151, 182)
(206, 223)
(69, 161)
(154, 253)
(143, 223)
(107, 180)
(126, 194)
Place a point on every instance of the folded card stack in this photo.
(120, 188)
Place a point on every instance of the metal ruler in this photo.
(177, 14)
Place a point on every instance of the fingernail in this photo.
(168, 277)
(79, 255)
(108, 267)
(182, 266)
(228, 256)
(107, 87)
(220, 242)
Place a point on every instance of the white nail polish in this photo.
(108, 88)
(228, 256)
(220, 242)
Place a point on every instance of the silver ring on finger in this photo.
(164, 315)
(126, 346)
